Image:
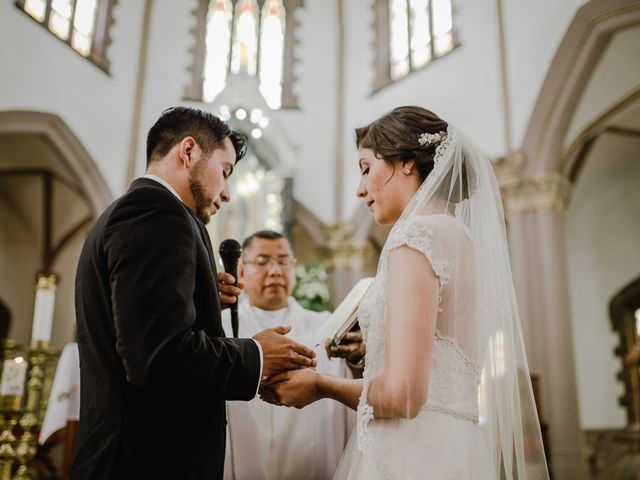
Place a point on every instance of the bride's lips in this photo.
(369, 203)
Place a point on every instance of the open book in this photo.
(345, 316)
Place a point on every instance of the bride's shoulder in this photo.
(440, 225)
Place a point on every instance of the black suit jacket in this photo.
(155, 365)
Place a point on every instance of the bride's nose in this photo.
(361, 192)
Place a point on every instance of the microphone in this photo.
(230, 251)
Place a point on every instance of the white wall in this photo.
(603, 234)
(533, 33)
(42, 73)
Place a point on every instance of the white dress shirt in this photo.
(266, 442)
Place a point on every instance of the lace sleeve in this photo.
(428, 237)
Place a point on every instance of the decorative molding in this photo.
(508, 167)
(381, 44)
(613, 453)
(102, 34)
(571, 159)
(573, 65)
(341, 251)
(504, 75)
(289, 98)
(193, 91)
(548, 191)
(75, 156)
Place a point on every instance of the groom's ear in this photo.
(185, 150)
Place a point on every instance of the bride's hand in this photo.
(293, 388)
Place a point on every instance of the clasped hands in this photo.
(288, 369)
(302, 386)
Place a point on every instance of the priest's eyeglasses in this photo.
(264, 262)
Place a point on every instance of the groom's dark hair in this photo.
(208, 131)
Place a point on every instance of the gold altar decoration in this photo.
(26, 380)
(341, 250)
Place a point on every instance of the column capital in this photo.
(546, 191)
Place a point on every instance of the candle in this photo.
(13, 375)
(43, 311)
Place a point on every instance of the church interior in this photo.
(549, 89)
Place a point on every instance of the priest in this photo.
(268, 442)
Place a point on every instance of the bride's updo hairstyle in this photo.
(394, 137)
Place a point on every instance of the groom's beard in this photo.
(202, 200)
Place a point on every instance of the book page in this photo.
(343, 315)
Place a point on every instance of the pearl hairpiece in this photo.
(431, 138)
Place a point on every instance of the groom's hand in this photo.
(280, 353)
(227, 290)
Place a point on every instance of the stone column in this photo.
(535, 209)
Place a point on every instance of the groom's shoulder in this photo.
(145, 198)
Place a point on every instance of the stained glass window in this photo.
(411, 34)
(75, 22)
(442, 27)
(245, 36)
(399, 38)
(272, 52)
(83, 26)
(244, 53)
(217, 47)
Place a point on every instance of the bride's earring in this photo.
(407, 171)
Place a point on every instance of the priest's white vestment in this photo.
(267, 442)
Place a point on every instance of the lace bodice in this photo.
(455, 374)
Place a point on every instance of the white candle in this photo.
(43, 311)
(13, 376)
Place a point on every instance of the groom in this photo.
(156, 367)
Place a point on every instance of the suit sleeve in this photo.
(150, 249)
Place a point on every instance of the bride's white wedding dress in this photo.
(479, 420)
(445, 440)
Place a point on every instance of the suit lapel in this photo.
(139, 182)
(205, 238)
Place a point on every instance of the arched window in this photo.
(244, 54)
(252, 36)
(217, 46)
(409, 35)
(272, 32)
(82, 24)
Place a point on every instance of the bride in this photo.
(446, 392)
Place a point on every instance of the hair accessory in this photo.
(431, 138)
